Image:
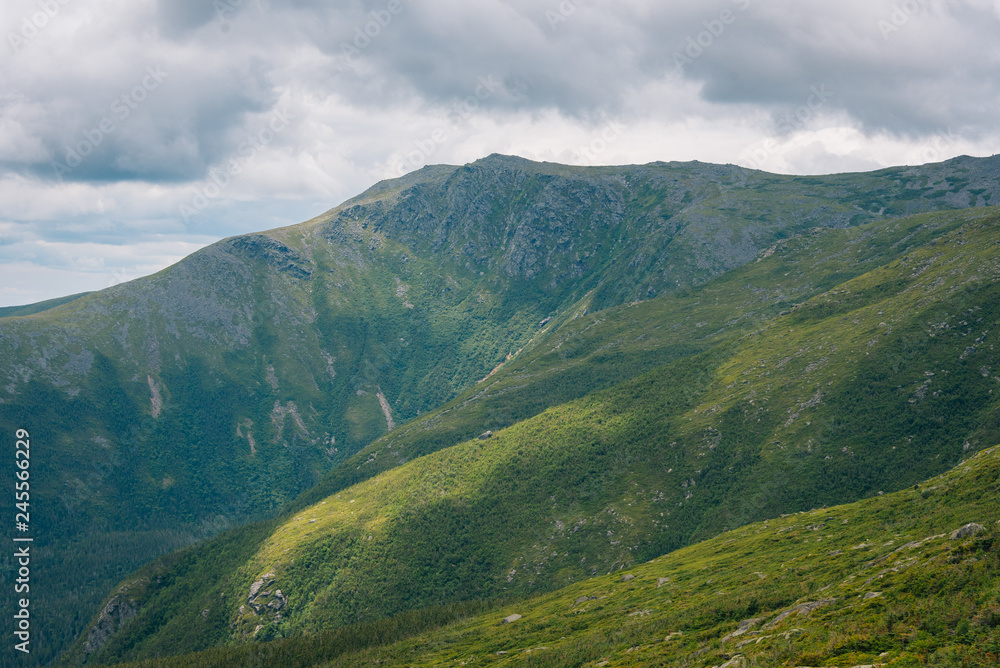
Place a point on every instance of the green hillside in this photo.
(31, 309)
(905, 579)
(589, 352)
(843, 363)
(221, 389)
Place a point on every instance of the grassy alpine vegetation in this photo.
(841, 364)
(893, 580)
(31, 309)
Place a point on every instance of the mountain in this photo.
(902, 579)
(863, 366)
(219, 390)
(31, 309)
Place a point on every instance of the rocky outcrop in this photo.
(273, 252)
(743, 627)
(116, 614)
(265, 598)
(970, 529)
(155, 400)
(386, 410)
(802, 609)
(735, 662)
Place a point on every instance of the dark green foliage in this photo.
(313, 649)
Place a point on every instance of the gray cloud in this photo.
(900, 72)
(891, 71)
(583, 58)
(178, 17)
(369, 81)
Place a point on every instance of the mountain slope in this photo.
(903, 579)
(590, 352)
(871, 385)
(31, 309)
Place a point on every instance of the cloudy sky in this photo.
(133, 132)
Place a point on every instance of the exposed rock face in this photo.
(155, 400)
(386, 410)
(276, 254)
(560, 226)
(510, 619)
(113, 617)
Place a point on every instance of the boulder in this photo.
(264, 580)
(801, 609)
(743, 627)
(735, 662)
(970, 529)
